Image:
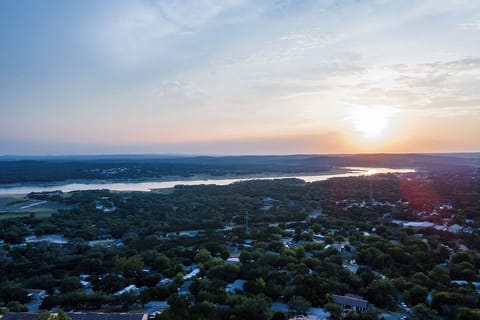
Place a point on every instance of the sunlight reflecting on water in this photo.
(151, 185)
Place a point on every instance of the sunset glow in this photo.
(239, 77)
(371, 122)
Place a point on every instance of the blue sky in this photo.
(233, 77)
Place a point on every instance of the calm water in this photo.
(148, 186)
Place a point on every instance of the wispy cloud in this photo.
(474, 25)
(142, 31)
(181, 70)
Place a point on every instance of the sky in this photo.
(239, 76)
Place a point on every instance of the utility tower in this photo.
(371, 188)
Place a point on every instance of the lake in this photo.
(150, 185)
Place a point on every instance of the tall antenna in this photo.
(371, 189)
(246, 222)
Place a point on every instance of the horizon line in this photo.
(228, 155)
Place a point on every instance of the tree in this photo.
(422, 312)
(202, 256)
(127, 299)
(61, 315)
(299, 305)
(146, 296)
(416, 295)
(371, 314)
(335, 310)
(352, 315)
(440, 275)
(10, 291)
(70, 284)
(299, 252)
(468, 314)
(227, 272)
(130, 266)
(177, 303)
(44, 315)
(382, 293)
(90, 265)
(206, 308)
(256, 287)
(15, 306)
(279, 316)
(97, 299)
(255, 308)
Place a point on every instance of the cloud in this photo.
(430, 86)
(140, 32)
(475, 25)
(176, 89)
(442, 85)
(157, 70)
(193, 14)
(284, 48)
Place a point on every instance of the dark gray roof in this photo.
(20, 316)
(78, 316)
(350, 300)
(105, 316)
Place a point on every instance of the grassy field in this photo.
(20, 206)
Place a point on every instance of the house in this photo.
(84, 276)
(104, 236)
(154, 308)
(300, 318)
(456, 228)
(49, 238)
(164, 282)
(107, 316)
(130, 288)
(351, 301)
(36, 294)
(318, 237)
(248, 242)
(192, 274)
(190, 233)
(267, 201)
(236, 285)
(184, 288)
(20, 316)
(79, 316)
(36, 298)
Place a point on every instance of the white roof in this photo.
(192, 274)
(129, 288)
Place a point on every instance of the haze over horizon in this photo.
(239, 77)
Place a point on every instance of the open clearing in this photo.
(19, 206)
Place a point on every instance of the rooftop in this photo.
(79, 316)
(350, 300)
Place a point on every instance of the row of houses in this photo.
(79, 316)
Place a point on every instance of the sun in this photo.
(370, 121)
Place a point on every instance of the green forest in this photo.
(289, 242)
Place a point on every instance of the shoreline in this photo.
(149, 185)
(265, 175)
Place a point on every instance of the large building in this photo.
(79, 316)
(351, 301)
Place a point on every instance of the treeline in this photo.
(121, 168)
(395, 264)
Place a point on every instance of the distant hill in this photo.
(137, 167)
